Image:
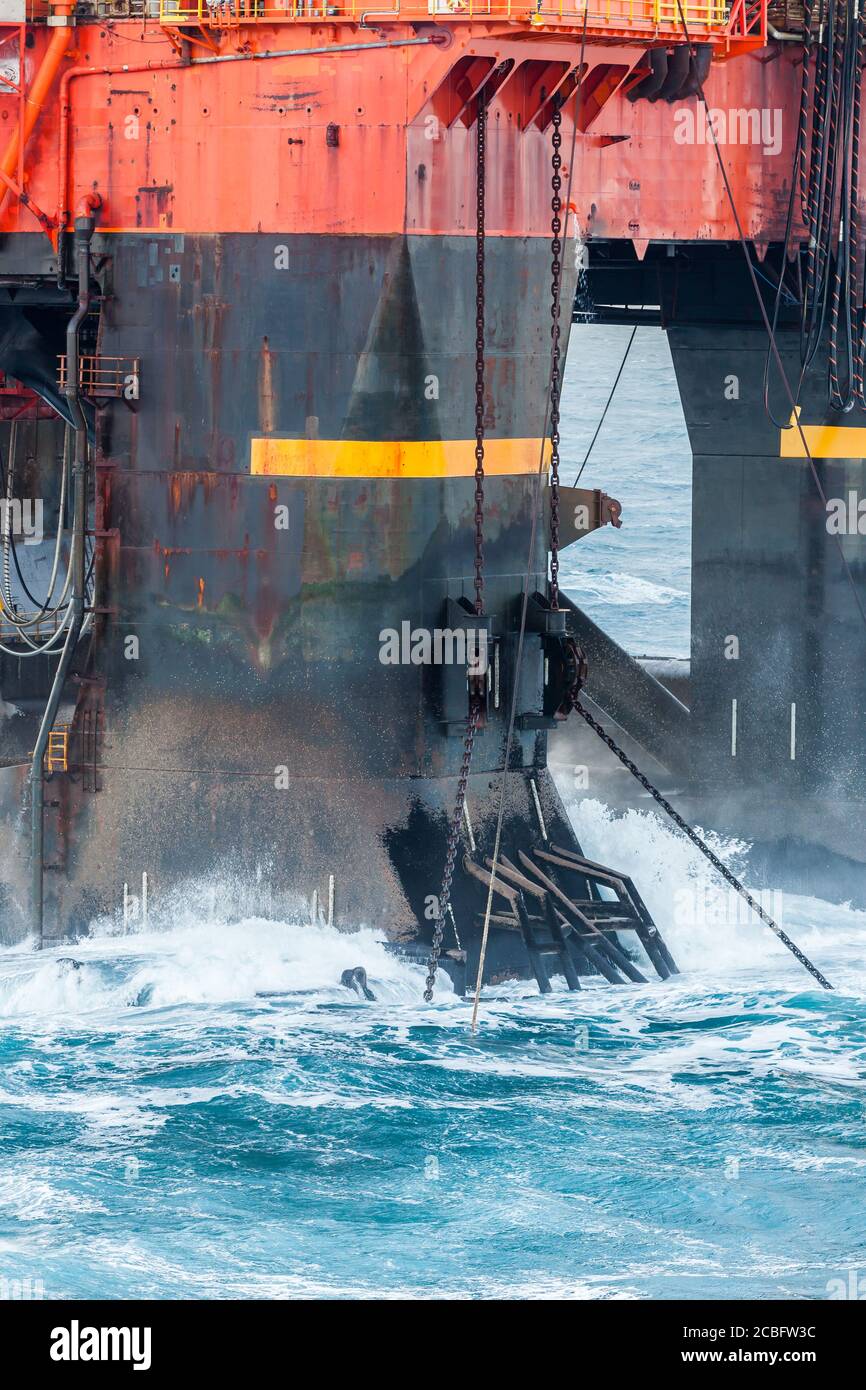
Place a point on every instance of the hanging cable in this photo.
(24, 624)
(606, 405)
(555, 351)
(777, 357)
(476, 698)
(524, 608)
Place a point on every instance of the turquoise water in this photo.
(166, 1132)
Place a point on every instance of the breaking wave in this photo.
(164, 1092)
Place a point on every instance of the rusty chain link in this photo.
(481, 137)
(702, 846)
(452, 847)
(555, 374)
(476, 699)
(573, 657)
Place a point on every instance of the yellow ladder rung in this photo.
(57, 754)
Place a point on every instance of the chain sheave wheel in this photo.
(576, 672)
(476, 703)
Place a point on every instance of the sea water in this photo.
(167, 1131)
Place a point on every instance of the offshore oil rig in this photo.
(285, 290)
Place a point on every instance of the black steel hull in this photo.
(235, 725)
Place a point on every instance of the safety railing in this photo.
(23, 12)
(714, 19)
(104, 377)
(37, 628)
(706, 13)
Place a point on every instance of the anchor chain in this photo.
(555, 372)
(480, 154)
(702, 846)
(476, 703)
(452, 847)
(571, 655)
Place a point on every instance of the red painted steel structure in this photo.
(196, 125)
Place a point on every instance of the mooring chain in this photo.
(452, 847)
(844, 269)
(702, 846)
(803, 162)
(476, 697)
(860, 309)
(854, 308)
(572, 655)
(555, 330)
(479, 355)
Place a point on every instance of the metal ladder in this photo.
(579, 932)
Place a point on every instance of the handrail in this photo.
(706, 19)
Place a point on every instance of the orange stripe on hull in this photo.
(415, 458)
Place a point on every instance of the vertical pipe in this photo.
(35, 98)
(83, 233)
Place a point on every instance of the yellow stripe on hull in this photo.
(823, 441)
(413, 458)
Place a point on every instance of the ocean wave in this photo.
(623, 590)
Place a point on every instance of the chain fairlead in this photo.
(555, 372)
(476, 701)
(574, 676)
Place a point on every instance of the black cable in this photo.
(798, 425)
(41, 608)
(607, 405)
(777, 300)
(533, 532)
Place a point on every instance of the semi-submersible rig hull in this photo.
(238, 304)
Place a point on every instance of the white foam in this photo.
(624, 590)
(195, 959)
(202, 962)
(707, 925)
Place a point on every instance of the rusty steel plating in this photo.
(476, 697)
(703, 847)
